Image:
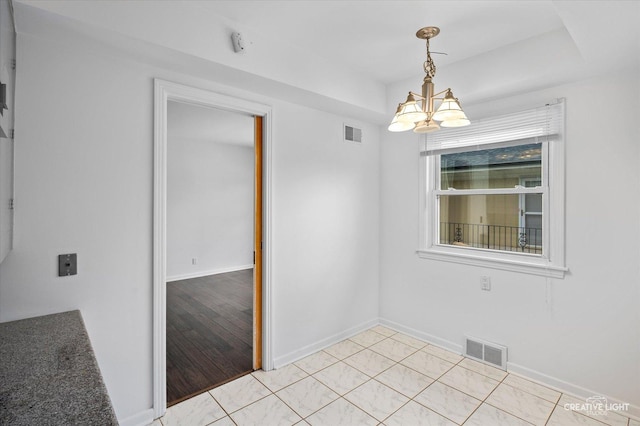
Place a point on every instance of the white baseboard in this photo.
(436, 341)
(566, 387)
(208, 272)
(527, 373)
(305, 351)
(143, 418)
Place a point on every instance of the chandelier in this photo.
(417, 111)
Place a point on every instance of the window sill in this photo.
(507, 262)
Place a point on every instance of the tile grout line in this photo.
(535, 396)
(550, 415)
(514, 415)
(290, 407)
(377, 362)
(370, 378)
(223, 409)
(416, 350)
(485, 400)
(274, 393)
(244, 406)
(323, 368)
(444, 384)
(530, 393)
(323, 384)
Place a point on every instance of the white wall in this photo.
(325, 228)
(84, 182)
(588, 332)
(209, 204)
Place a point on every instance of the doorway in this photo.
(165, 92)
(212, 192)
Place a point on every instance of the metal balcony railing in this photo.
(493, 237)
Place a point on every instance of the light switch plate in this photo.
(67, 264)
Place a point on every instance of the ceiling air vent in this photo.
(352, 134)
(489, 353)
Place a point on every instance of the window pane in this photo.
(532, 183)
(533, 203)
(495, 222)
(533, 221)
(492, 168)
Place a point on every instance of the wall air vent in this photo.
(352, 134)
(487, 352)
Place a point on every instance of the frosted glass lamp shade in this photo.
(449, 109)
(399, 125)
(412, 112)
(426, 127)
(457, 122)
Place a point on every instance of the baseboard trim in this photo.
(567, 388)
(305, 351)
(429, 338)
(209, 272)
(143, 418)
(527, 373)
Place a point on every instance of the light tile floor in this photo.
(381, 377)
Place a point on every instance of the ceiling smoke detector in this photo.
(238, 42)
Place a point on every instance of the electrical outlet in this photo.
(485, 283)
(194, 260)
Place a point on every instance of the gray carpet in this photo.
(49, 375)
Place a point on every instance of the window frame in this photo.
(522, 204)
(552, 261)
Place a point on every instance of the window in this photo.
(493, 193)
(492, 199)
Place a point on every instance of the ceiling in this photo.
(347, 50)
(378, 37)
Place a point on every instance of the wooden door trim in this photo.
(257, 272)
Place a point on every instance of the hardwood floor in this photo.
(209, 332)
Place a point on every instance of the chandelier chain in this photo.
(429, 65)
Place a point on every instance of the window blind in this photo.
(525, 127)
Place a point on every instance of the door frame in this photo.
(165, 91)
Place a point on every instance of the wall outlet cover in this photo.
(67, 264)
(485, 283)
